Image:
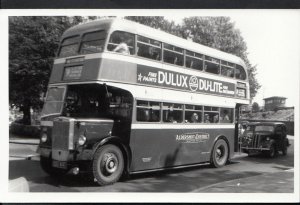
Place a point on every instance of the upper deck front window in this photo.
(121, 42)
(69, 46)
(92, 42)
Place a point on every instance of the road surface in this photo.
(248, 174)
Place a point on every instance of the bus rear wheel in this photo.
(108, 164)
(219, 154)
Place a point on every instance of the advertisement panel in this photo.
(151, 76)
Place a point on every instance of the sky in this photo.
(273, 44)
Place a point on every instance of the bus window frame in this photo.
(173, 51)
(213, 109)
(195, 111)
(89, 32)
(148, 106)
(63, 99)
(134, 47)
(61, 45)
(195, 57)
(184, 51)
(212, 61)
(150, 45)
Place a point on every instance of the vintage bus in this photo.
(124, 98)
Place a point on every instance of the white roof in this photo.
(136, 28)
(133, 27)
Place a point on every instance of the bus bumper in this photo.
(67, 159)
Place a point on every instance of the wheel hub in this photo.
(110, 163)
(219, 153)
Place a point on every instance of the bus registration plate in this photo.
(59, 164)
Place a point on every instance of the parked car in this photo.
(266, 137)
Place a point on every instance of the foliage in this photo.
(255, 107)
(33, 42)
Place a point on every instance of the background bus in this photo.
(126, 98)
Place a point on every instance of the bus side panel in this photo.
(163, 148)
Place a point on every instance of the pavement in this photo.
(23, 148)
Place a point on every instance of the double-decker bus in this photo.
(124, 98)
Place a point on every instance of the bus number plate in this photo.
(59, 164)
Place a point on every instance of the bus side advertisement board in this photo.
(152, 76)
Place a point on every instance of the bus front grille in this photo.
(61, 135)
(256, 141)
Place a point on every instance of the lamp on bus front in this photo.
(81, 140)
(44, 137)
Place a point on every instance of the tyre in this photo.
(284, 149)
(108, 164)
(46, 164)
(272, 152)
(219, 154)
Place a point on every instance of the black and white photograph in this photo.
(150, 105)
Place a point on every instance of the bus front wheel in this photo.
(108, 164)
(219, 154)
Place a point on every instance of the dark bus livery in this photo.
(124, 98)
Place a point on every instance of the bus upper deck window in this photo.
(92, 42)
(227, 69)
(173, 54)
(212, 65)
(69, 46)
(121, 42)
(148, 48)
(240, 73)
(194, 60)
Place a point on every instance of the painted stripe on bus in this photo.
(147, 62)
(180, 126)
(167, 95)
(86, 57)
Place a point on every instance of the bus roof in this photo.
(136, 28)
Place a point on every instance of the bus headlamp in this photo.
(44, 137)
(81, 140)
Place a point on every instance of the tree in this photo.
(33, 42)
(215, 32)
(255, 107)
